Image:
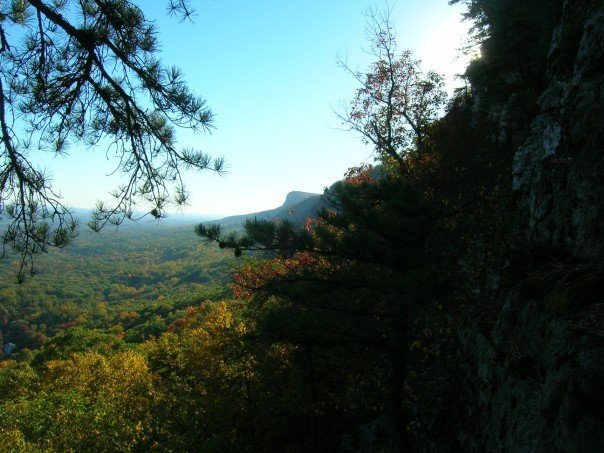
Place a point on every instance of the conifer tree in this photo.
(353, 278)
(88, 73)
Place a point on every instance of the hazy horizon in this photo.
(269, 73)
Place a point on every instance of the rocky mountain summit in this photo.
(297, 207)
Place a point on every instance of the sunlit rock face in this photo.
(558, 171)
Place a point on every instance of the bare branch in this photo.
(396, 100)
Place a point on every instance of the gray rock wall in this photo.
(537, 376)
(559, 170)
(539, 380)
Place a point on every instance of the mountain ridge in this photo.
(297, 207)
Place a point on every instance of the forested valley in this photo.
(448, 297)
(132, 282)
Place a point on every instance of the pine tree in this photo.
(88, 72)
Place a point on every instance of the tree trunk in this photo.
(396, 413)
(311, 376)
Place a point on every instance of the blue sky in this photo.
(268, 71)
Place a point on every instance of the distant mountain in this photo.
(83, 216)
(298, 206)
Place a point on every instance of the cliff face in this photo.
(535, 361)
(537, 379)
(558, 170)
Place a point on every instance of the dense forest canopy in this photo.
(133, 282)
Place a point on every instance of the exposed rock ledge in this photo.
(559, 170)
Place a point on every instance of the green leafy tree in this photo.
(396, 100)
(223, 390)
(88, 72)
(351, 281)
(77, 340)
(514, 38)
(87, 402)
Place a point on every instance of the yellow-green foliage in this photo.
(86, 403)
(201, 385)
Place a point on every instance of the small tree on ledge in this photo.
(396, 100)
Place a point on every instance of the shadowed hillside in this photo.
(298, 206)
